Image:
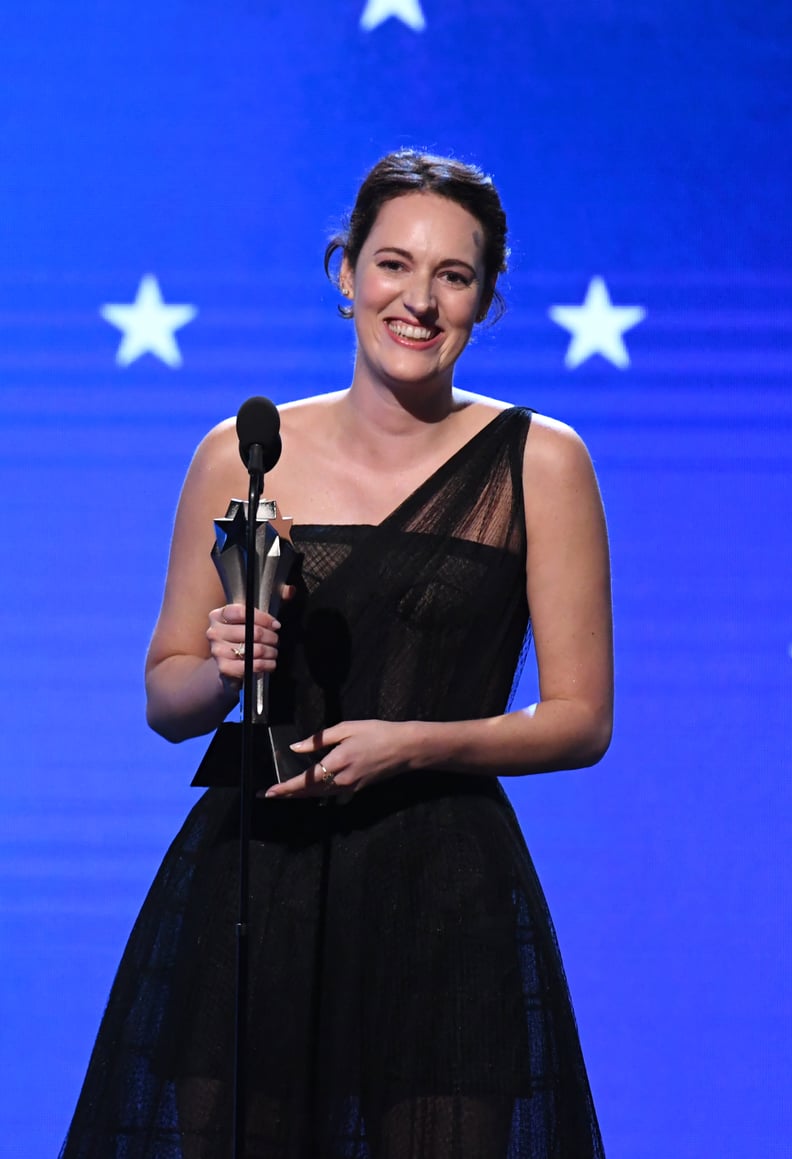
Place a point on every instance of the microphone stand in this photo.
(256, 471)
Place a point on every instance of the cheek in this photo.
(373, 290)
(462, 313)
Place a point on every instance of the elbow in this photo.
(161, 716)
(595, 741)
(158, 718)
(589, 736)
(592, 755)
(163, 726)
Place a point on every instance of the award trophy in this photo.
(275, 562)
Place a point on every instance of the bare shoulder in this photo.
(559, 483)
(307, 418)
(480, 405)
(304, 414)
(218, 443)
(216, 465)
(555, 452)
(219, 449)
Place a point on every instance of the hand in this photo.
(226, 636)
(361, 752)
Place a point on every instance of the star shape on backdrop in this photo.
(148, 324)
(597, 327)
(377, 12)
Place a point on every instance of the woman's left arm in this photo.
(568, 590)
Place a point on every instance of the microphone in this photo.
(258, 427)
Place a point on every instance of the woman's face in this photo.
(418, 288)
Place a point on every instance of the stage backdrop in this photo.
(170, 173)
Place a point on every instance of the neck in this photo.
(399, 408)
(390, 430)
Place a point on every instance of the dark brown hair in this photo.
(409, 171)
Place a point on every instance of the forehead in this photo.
(428, 221)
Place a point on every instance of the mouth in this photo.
(410, 334)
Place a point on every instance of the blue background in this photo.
(215, 146)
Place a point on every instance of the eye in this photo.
(457, 278)
(392, 264)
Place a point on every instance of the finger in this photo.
(225, 639)
(324, 739)
(237, 651)
(324, 777)
(232, 614)
(230, 658)
(230, 640)
(302, 786)
(265, 620)
(226, 633)
(235, 614)
(316, 781)
(263, 658)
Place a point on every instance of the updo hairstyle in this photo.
(409, 171)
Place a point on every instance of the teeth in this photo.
(417, 333)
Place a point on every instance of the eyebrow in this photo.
(394, 249)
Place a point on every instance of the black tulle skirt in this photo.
(407, 999)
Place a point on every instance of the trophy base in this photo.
(273, 760)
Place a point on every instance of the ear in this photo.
(346, 278)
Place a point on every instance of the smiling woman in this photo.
(418, 286)
(407, 1000)
(410, 172)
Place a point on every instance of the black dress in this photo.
(407, 997)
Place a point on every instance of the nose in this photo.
(419, 296)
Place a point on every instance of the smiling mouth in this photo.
(412, 333)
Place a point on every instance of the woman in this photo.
(407, 997)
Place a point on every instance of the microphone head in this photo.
(258, 421)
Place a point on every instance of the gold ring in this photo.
(239, 650)
(328, 778)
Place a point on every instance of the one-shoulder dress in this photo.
(407, 997)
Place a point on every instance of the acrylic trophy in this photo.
(276, 560)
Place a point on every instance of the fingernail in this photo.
(298, 744)
(270, 793)
(276, 623)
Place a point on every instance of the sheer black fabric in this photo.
(407, 995)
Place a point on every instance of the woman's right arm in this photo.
(193, 675)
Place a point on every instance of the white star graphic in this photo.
(148, 324)
(597, 326)
(408, 11)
